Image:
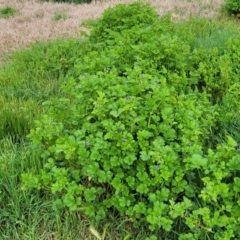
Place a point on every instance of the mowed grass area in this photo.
(34, 75)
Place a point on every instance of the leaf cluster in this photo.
(232, 6)
(139, 129)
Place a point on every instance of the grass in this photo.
(28, 215)
(37, 73)
(60, 16)
(211, 34)
(29, 78)
(7, 12)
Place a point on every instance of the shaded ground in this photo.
(35, 20)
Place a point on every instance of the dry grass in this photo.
(35, 20)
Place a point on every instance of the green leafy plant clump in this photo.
(139, 129)
(7, 12)
(232, 6)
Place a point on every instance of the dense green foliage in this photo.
(141, 129)
(198, 192)
(232, 6)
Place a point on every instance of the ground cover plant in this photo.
(7, 12)
(136, 130)
(232, 7)
(129, 132)
(21, 92)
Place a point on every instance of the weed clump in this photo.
(7, 12)
(232, 7)
(139, 129)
